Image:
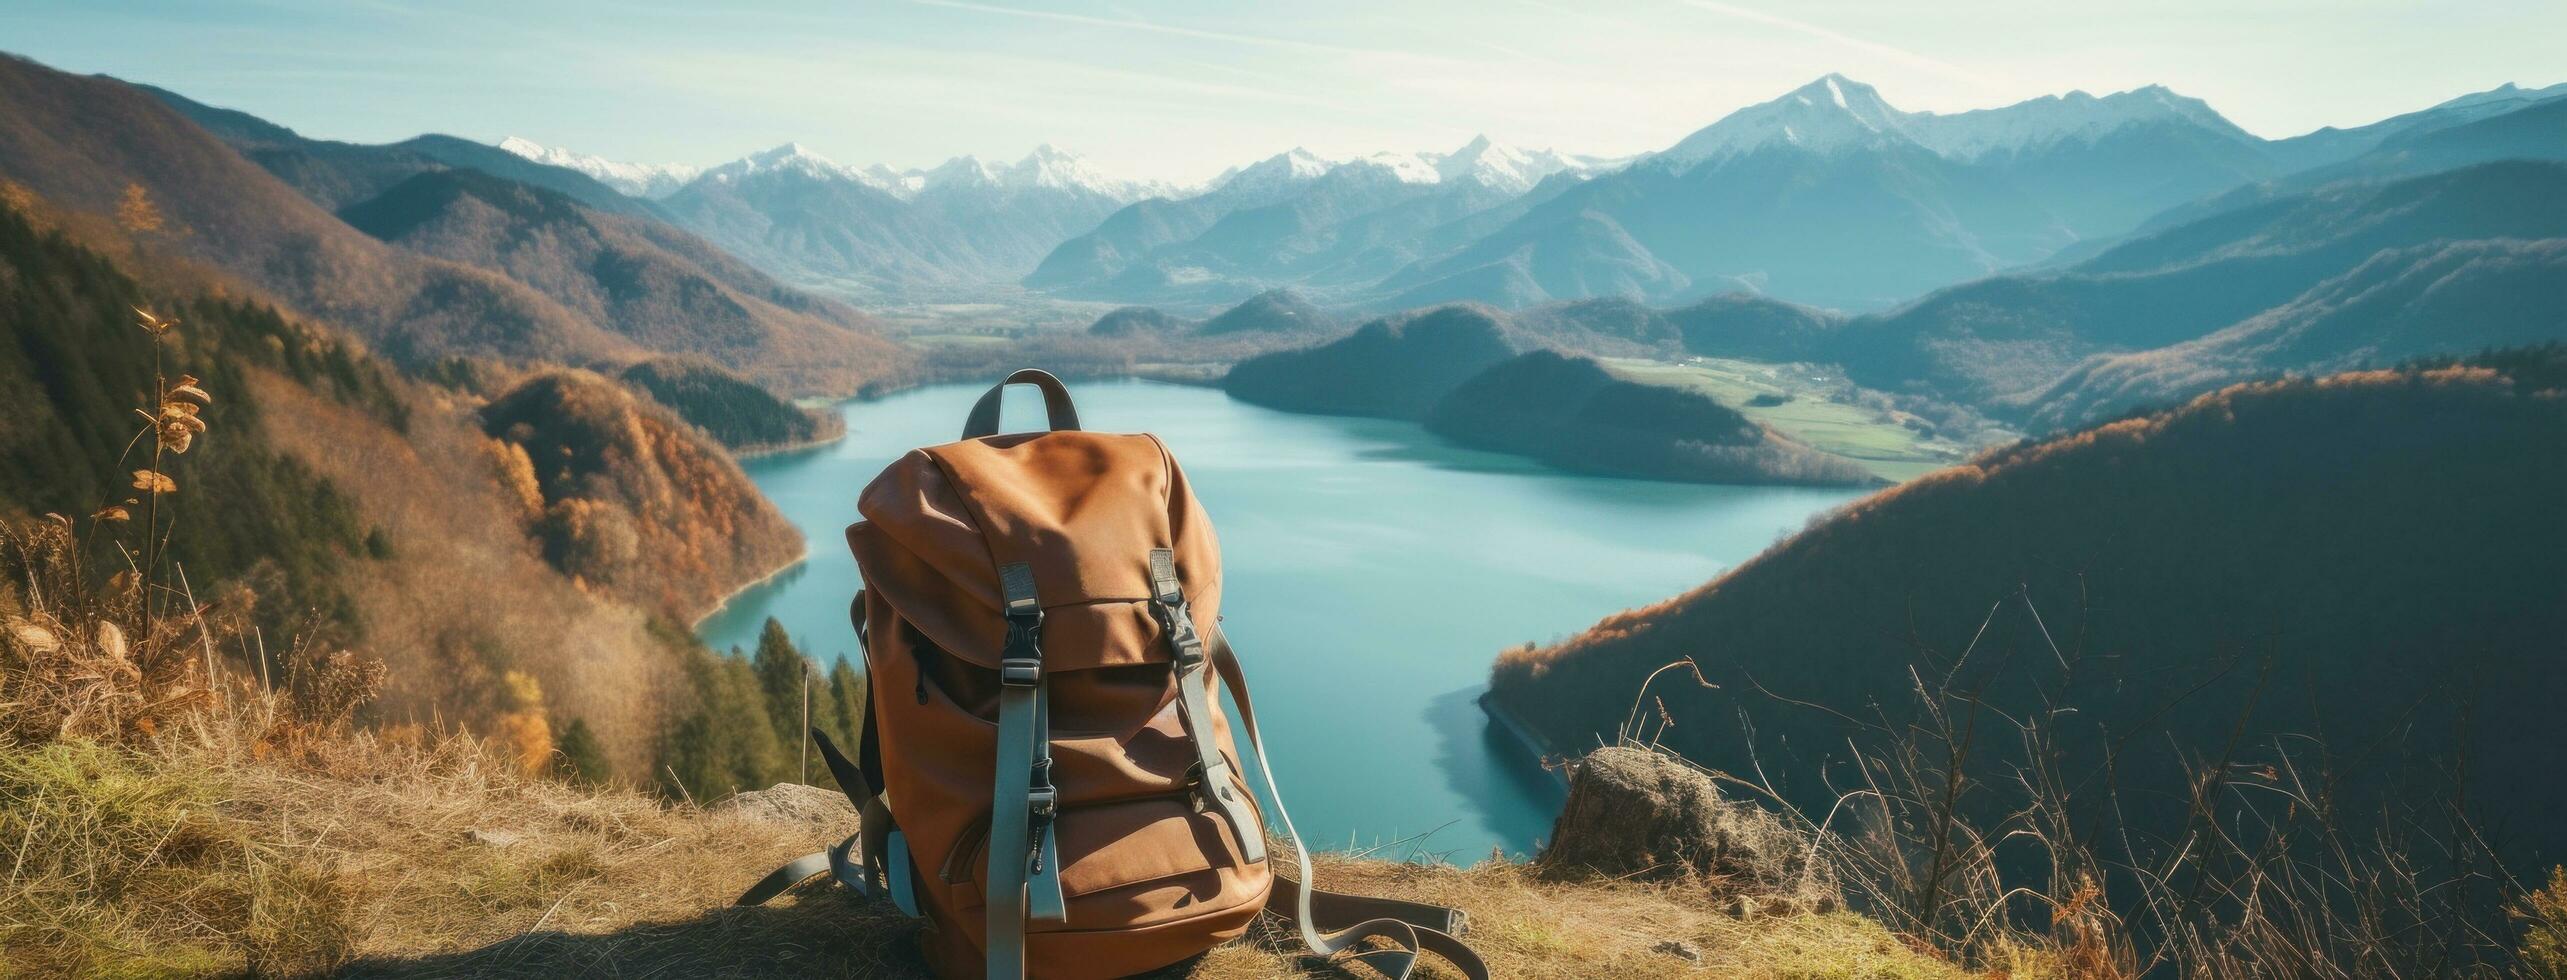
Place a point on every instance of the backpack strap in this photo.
(1023, 855)
(1057, 409)
(873, 861)
(1410, 927)
(1212, 773)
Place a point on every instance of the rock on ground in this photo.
(1640, 814)
(793, 803)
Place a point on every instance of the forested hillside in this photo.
(738, 414)
(505, 563)
(1396, 367)
(76, 367)
(2349, 583)
(627, 498)
(1567, 411)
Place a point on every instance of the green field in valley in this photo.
(1812, 404)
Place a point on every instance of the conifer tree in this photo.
(579, 757)
(847, 696)
(780, 677)
(796, 695)
(727, 742)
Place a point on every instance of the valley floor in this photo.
(1815, 405)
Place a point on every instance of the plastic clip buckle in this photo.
(1042, 806)
(1021, 661)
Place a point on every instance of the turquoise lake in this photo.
(1373, 572)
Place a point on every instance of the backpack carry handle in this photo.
(1056, 404)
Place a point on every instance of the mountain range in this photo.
(1826, 196)
(874, 232)
(1297, 219)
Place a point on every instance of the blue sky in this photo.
(1179, 90)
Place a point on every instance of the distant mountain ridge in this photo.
(1296, 219)
(1826, 196)
(870, 232)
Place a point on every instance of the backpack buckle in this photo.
(1198, 789)
(1042, 806)
(1021, 661)
(1015, 672)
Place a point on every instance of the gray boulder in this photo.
(793, 803)
(1639, 814)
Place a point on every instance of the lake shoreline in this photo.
(799, 559)
(1536, 750)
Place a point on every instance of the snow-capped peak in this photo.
(962, 172)
(792, 158)
(637, 179)
(1053, 168)
(1499, 166)
(1407, 168)
(1272, 174)
(1047, 168)
(1828, 114)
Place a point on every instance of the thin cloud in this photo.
(1132, 23)
(1902, 55)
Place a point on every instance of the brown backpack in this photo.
(1045, 772)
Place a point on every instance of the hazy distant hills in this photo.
(2380, 549)
(664, 288)
(337, 174)
(2437, 298)
(2335, 255)
(2331, 144)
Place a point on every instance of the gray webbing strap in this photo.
(1407, 938)
(842, 861)
(776, 882)
(1022, 799)
(1212, 772)
(1043, 889)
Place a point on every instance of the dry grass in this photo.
(202, 853)
(1527, 927)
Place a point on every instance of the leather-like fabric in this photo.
(1147, 880)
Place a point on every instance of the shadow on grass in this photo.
(818, 932)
